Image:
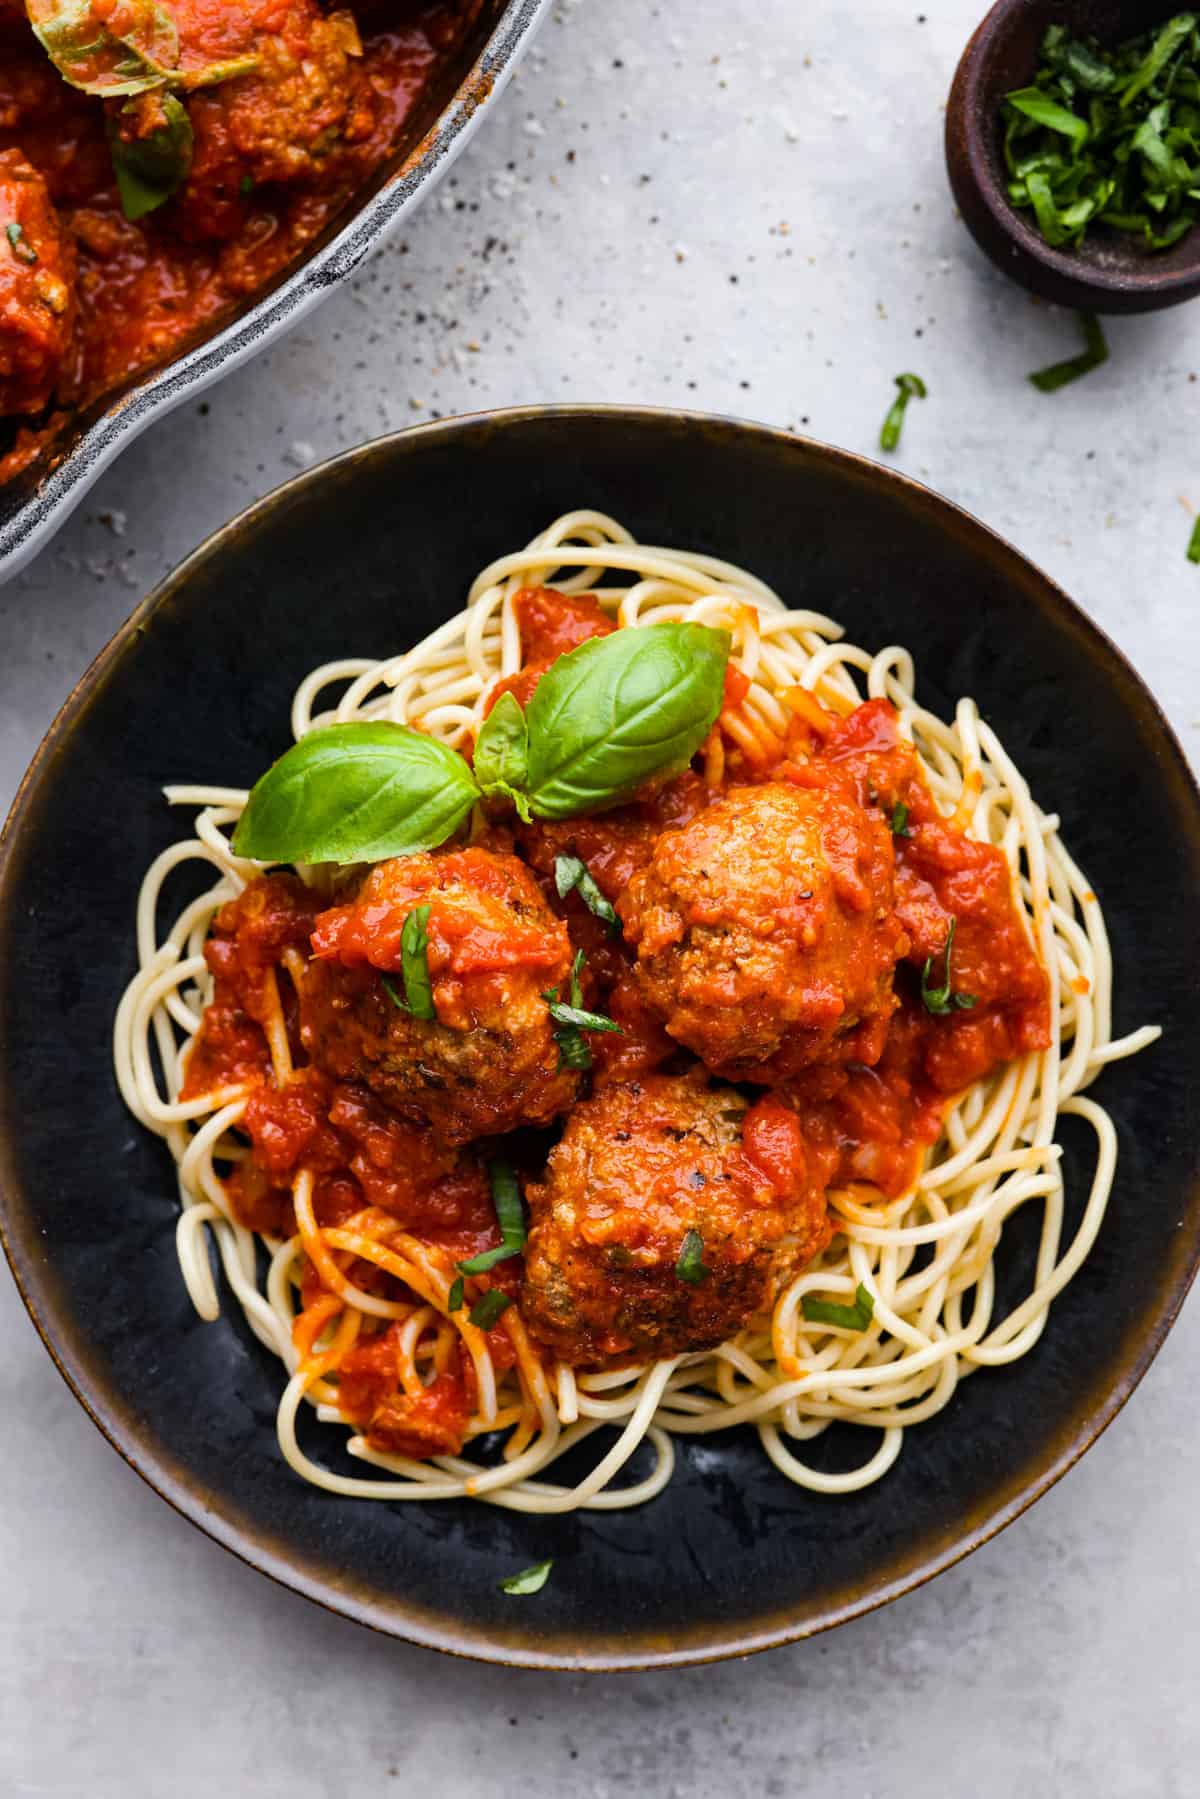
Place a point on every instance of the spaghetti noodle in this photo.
(926, 1257)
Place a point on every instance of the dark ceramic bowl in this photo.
(362, 556)
(464, 89)
(1108, 272)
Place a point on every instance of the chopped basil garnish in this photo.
(571, 875)
(690, 1266)
(530, 1580)
(1095, 352)
(1108, 136)
(21, 247)
(487, 1311)
(149, 169)
(1193, 549)
(510, 1215)
(943, 999)
(414, 968)
(851, 1318)
(572, 1021)
(907, 386)
(454, 1298)
(899, 820)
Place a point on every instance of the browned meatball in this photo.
(641, 1167)
(765, 932)
(37, 289)
(299, 118)
(489, 1062)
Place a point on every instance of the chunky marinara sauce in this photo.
(89, 297)
(397, 1120)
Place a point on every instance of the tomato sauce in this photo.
(147, 289)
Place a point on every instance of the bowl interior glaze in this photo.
(362, 556)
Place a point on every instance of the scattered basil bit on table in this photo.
(1109, 136)
(1193, 549)
(907, 387)
(1095, 351)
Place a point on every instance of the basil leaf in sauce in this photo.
(488, 1310)
(572, 874)
(851, 1318)
(414, 968)
(150, 168)
(356, 793)
(530, 1580)
(454, 1298)
(501, 759)
(618, 709)
(943, 999)
(510, 1215)
(690, 1266)
(139, 55)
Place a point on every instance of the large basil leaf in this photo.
(501, 760)
(149, 169)
(356, 793)
(619, 709)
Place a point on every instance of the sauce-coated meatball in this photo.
(639, 1167)
(489, 1062)
(37, 289)
(765, 932)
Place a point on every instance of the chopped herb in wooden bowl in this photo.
(1109, 137)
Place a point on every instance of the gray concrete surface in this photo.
(738, 205)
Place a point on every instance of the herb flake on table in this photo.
(1094, 352)
(908, 387)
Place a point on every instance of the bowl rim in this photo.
(968, 109)
(151, 397)
(523, 1646)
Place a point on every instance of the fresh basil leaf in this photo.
(490, 1309)
(618, 709)
(97, 60)
(150, 169)
(690, 1266)
(501, 760)
(943, 999)
(1193, 549)
(572, 1020)
(899, 820)
(852, 1318)
(907, 388)
(454, 1298)
(530, 1580)
(577, 1018)
(571, 875)
(1170, 39)
(1038, 106)
(356, 793)
(1095, 353)
(510, 1215)
(414, 964)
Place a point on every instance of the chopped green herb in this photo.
(530, 1580)
(22, 249)
(899, 820)
(454, 1298)
(852, 1318)
(572, 1021)
(490, 1309)
(1095, 352)
(510, 1215)
(1193, 549)
(907, 386)
(571, 874)
(943, 999)
(690, 1266)
(1109, 137)
(246, 186)
(414, 963)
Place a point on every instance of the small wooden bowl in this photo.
(1108, 272)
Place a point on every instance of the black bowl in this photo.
(1109, 271)
(462, 90)
(361, 556)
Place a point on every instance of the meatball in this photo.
(765, 932)
(299, 118)
(37, 289)
(489, 1062)
(656, 1176)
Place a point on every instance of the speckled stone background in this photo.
(738, 205)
